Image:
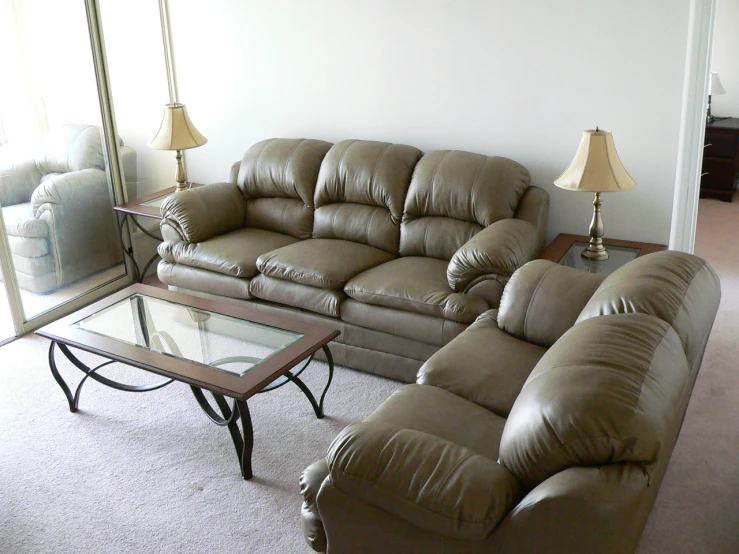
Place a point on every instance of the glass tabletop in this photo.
(157, 202)
(218, 341)
(618, 256)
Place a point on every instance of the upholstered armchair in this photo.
(58, 212)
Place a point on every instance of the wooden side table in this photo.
(720, 159)
(565, 250)
(146, 206)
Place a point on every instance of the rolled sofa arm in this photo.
(499, 249)
(78, 210)
(18, 181)
(432, 483)
(205, 212)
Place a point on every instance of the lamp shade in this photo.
(596, 166)
(176, 131)
(714, 85)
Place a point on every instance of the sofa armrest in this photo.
(534, 208)
(205, 212)
(499, 249)
(544, 299)
(310, 518)
(432, 483)
(18, 181)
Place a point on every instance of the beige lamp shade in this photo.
(715, 88)
(596, 166)
(176, 131)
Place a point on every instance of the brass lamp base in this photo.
(595, 250)
(179, 176)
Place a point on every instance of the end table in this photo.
(146, 206)
(565, 250)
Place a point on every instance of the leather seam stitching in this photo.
(472, 191)
(374, 171)
(287, 164)
(531, 300)
(442, 306)
(373, 484)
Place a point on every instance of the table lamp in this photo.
(596, 168)
(714, 88)
(177, 133)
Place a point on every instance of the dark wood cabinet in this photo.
(720, 159)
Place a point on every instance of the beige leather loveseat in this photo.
(546, 426)
(398, 250)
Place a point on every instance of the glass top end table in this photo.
(565, 250)
(618, 256)
(213, 346)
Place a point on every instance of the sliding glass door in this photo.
(62, 166)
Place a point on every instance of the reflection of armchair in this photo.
(58, 209)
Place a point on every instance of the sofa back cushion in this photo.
(678, 288)
(361, 190)
(453, 195)
(608, 391)
(543, 299)
(278, 179)
(71, 147)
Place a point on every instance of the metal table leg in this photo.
(138, 275)
(74, 400)
(243, 440)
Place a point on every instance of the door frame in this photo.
(692, 125)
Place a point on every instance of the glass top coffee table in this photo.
(228, 350)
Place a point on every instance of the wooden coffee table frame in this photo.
(265, 376)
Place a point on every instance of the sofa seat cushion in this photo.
(304, 297)
(20, 222)
(418, 327)
(233, 254)
(484, 365)
(442, 414)
(416, 285)
(322, 263)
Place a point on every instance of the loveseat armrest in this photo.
(18, 180)
(499, 249)
(199, 214)
(77, 208)
(427, 481)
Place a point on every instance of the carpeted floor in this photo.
(697, 509)
(140, 473)
(149, 473)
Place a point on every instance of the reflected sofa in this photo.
(546, 426)
(398, 250)
(58, 211)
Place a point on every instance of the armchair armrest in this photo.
(18, 181)
(430, 482)
(77, 207)
(499, 249)
(205, 212)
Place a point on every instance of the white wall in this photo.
(138, 82)
(726, 57)
(518, 79)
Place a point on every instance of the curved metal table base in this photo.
(92, 374)
(229, 415)
(128, 249)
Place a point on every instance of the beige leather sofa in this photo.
(398, 250)
(58, 211)
(546, 426)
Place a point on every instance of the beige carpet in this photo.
(697, 510)
(140, 473)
